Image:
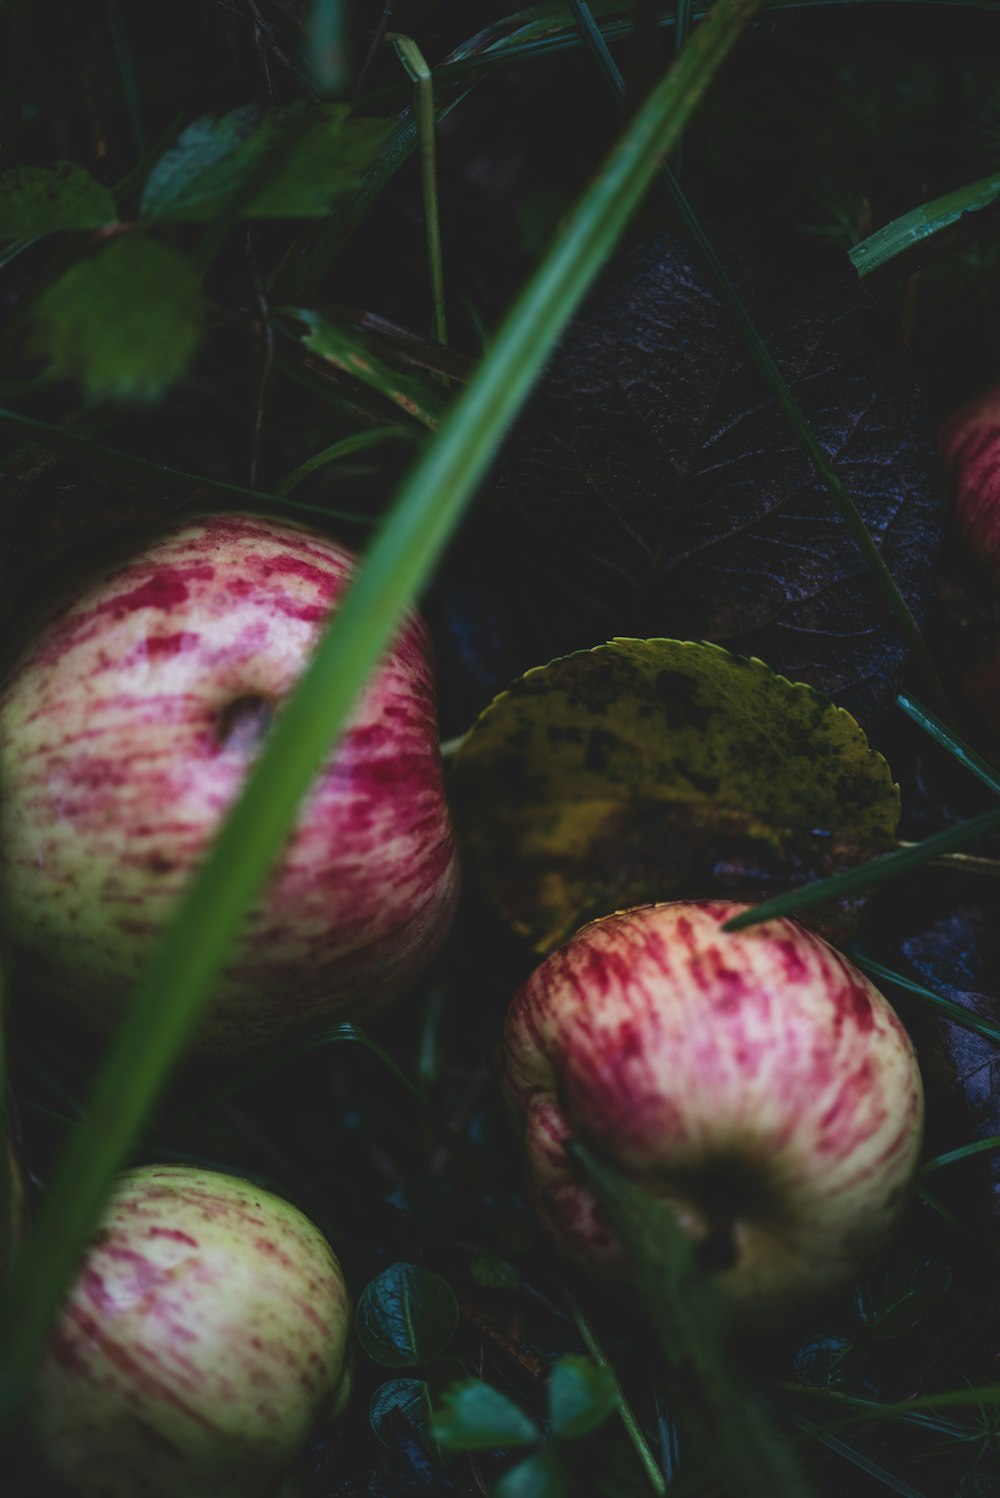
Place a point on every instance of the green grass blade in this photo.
(179, 980)
(415, 63)
(947, 1007)
(953, 1156)
(640, 1445)
(357, 442)
(948, 740)
(868, 875)
(775, 381)
(112, 460)
(327, 51)
(912, 230)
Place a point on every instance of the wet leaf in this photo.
(405, 1316)
(581, 1397)
(124, 322)
(38, 200)
(214, 159)
(655, 489)
(473, 1416)
(643, 767)
(411, 1396)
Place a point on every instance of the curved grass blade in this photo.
(946, 1007)
(912, 230)
(868, 875)
(953, 1156)
(357, 442)
(113, 460)
(850, 1453)
(955, 746)
(179, 980)
(775, 381)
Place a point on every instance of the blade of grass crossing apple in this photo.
(868, 875)
(726, 1440)
(398, 563)
(947, 1007)
(761, 356)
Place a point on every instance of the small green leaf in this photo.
(581, 1397)
(411, 1397)
(605, 778)
(893, 1302)
(213, 159)
(473, 1416)
(405, 1316)
(493, 1272)
(125, 322)
(38, 200)
(541, 1476)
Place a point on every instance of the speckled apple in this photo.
(970, 445)
(126, 731)
(755, 1081)
(205, 1335)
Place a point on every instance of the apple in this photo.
(204, 1336)
(755, 1081)
(126, 730)
(970, 445)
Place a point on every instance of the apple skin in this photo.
(127, 729)
(970, 445)
(205, 1335)
(753, 1080)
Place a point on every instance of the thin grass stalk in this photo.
(189, 959)
(414, 62)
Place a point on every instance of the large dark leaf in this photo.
(655, 489)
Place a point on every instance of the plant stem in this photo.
(588, 1336)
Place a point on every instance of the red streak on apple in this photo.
(970, 445)
(126, 731)
(754, 1080)
(193, 1359)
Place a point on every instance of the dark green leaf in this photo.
(581, 1397)
(411, 1397)
(213, 159)
(125, 322)
(893, 1302)
(473, 1416)
(737, 1450)
(405, 1316)
(38, 200)
(541, 1476)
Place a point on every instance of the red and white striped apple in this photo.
(970, 445)
(204, 1336)
(127, 729)
(755, 1081)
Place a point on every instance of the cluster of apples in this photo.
(755, 1081)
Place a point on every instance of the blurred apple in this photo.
(127, 729)
(970, 445)
(204, 1337)
(755, 1081)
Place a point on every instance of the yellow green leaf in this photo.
(657, 769)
